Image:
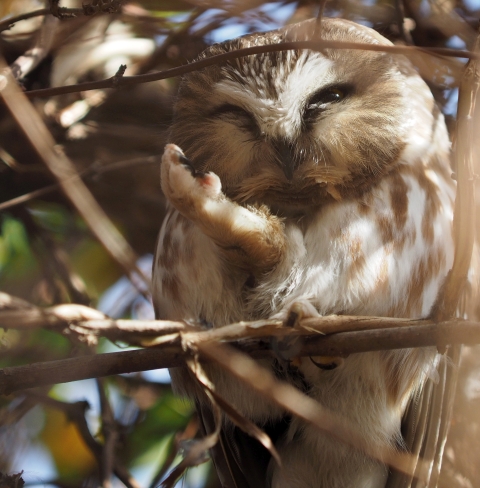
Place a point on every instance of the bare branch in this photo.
(110, 434)
(174, 449)
(196, 453)
(92, 171)
(221, 58)
(171, 354)
(10, 21)
(111, 6)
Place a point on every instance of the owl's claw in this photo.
(187, 164)
(300, 309)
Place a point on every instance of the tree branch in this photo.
(171, 354)
(222, 58)
(10, 21)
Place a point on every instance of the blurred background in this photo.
(115, 139)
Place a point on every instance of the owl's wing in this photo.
(427, 418)
(240, 460)
(425, 424)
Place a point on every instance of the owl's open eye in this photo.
(326, 96)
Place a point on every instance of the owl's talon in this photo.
(185, 161)
(293, 318)
(299, 310)
(187, 164)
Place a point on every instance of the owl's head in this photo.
(296, 129)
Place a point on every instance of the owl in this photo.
(314, 181)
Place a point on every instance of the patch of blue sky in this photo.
(278, 12)
(40, 466)
(77, 391)
(124, 297)
(157, 375)
(450, 107)
(472, 5)
(364, 22)
(424, 8)
(180, 17)
(456, 43)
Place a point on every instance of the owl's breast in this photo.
(384, 254)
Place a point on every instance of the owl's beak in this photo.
(286, 157)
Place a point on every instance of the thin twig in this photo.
(400, 18)
(222, 58)
(110, 434)
(9, 22)
(174, 449)
(56, 264)
(195, 454)
(92, 171)
(34, 56)
(318, 25)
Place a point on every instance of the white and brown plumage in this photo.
(322, 180)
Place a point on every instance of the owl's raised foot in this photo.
(249, 237)
(182, 184)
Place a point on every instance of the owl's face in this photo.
(297, 129)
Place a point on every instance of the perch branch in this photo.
(171, 354)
